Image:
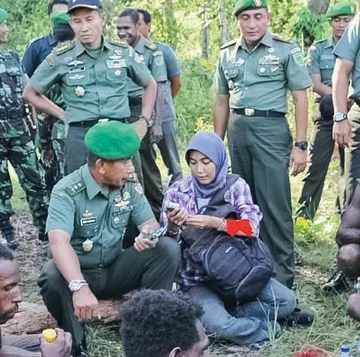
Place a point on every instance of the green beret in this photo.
(242, 5)
(3, 15)
(59, 17)
(112, 140)
(341, 9)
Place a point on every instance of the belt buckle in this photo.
(249, 112)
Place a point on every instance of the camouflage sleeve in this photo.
(46, 75)
(220, 83)
(158, 67)
(137, 70)
(296, 72)
(141, 212)
(348, 46)
(313, 60)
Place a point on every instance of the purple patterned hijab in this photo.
(210, 145)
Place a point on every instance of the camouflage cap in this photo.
(3, 15)
(242, 5)
(112, 140)
(59, 17)
(341, 9)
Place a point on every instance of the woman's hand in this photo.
(204, 221)
(177, 217)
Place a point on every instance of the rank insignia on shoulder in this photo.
(50, 60)
(75, 188)
(151, 45)
(228, 44)
(64, 47)
(120, 43)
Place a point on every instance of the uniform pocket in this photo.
(116, 74)
(86, 231)
(269, 70)
(120, 218)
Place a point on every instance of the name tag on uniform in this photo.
(87, 221)
(76, 69)
(327, 57)
(120, 63)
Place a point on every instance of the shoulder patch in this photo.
(228, 44)
(151, 45)
(157, 53)
(64, 47)
(75, 188)
(275, 38)
(119, 43)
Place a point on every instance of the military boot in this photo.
(7, 231)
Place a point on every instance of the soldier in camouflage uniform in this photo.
(51, 130)
(16, 145)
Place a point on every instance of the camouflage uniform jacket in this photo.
(11, 102)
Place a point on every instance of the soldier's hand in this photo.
(342, 133)
(47, 157)
(156, 134)
(298, 161)
(85, 304)
(141, 127)
(61, 347)
(142, 243)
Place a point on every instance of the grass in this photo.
(315, 242)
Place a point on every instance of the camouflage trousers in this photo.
(20, 152)
(51, 133)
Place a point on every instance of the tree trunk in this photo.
(223, 22)
(319, 6)
(205, 32)
(34, 318)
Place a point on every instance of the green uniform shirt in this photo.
(95, 217)
(348, 48)
(147, 52)
(260, 79)
(321, 59)
(93, 88)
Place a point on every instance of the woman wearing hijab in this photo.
(250, 323)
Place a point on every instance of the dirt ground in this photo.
(32, 255)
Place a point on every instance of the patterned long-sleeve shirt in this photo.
(183, 193)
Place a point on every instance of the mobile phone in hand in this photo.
(157, 234)
(172, 205)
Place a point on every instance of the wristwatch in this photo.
(302, 145)
(149, 121)
(338, 117)
(76, 285)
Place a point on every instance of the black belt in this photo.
(90, 123)
(249, 112)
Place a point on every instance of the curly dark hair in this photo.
(6, 253)
(154, 322)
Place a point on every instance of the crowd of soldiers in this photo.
(84, 92)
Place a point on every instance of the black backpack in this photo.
(238, 268)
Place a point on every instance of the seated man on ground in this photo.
(88, 215)
(10, 298)
(246, 323)
(162, 324)
(348, 240)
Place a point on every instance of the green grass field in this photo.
(315, 243)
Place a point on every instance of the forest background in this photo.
(196, 29)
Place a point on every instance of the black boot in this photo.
(7, 231)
